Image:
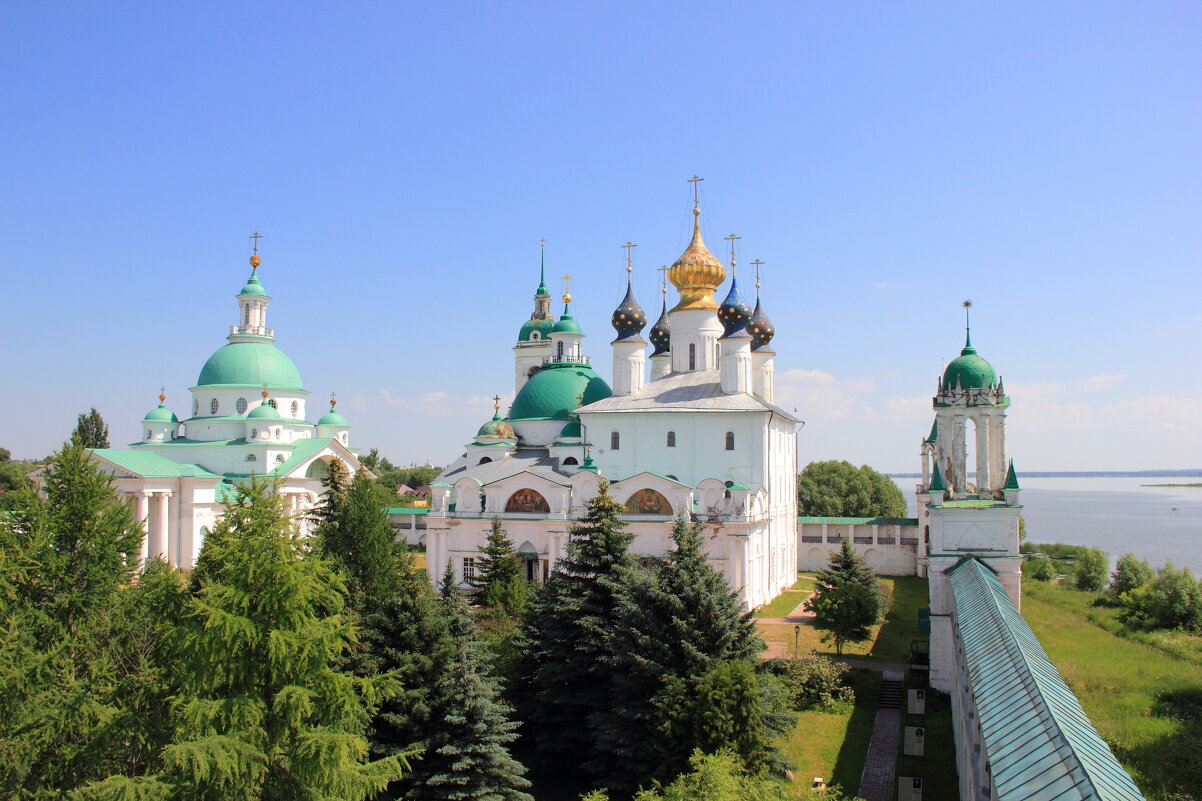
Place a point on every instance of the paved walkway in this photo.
(876, 783)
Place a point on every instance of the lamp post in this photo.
(796, 636)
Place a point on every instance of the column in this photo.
(984, 479)
(997, 438)
(173, 537)
(960, 455)
(142, 513)
(158, 530)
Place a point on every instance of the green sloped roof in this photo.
(542, 326)
(408, 510)
(302, 450)
(969, 370)
(554, 392)
(1011, 478)
(859, 521)
(1039, 741)
(250, 364)
(149, 464)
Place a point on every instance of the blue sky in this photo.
(886, 161)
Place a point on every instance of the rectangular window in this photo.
(692, 356)
(615, 441)
(671, 439)
(469, 568)
(730, 440)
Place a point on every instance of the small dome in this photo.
(160, 414)
(661, 332)
(264, 411)
(629, 318)
(571, 430)
(734, 311)
(567, 325)
(556, 390)
(496, 428)
(250, 364)
(969, 371)
(330, 418)
(696, 274)
(760, 327)
(543, 327)
(253, 285)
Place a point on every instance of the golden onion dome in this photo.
(696, 274)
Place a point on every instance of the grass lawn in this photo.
(890, 642)
(1122, 684)
(937, 766)
(833, 745)
(781, 605)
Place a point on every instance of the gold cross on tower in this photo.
(695, 181)
(567, 295)
(663, 279)
(628, 246)
(757, 264)
(732, 239)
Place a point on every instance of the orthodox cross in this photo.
(542, 242)
(579, 400)
(162, 394)
(695, 181)
(663, 279)
(732, 239)
(496, 402)
(255, 237)
(757, 264)
(333, 400)
(566, 292)
(628, 246)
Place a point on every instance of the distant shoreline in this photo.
(1191, 473)
(1171, 485)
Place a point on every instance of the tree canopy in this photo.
(847, 599)
(840, 489)
(90, 430)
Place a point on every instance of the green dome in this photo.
(567, 325)
(969, 371)
(571, 430)
(250, 364)
(543, 327)
(253, 287)
(264, 411)
(160, 414)
(554, 392)
(333, 418)
(496, 427)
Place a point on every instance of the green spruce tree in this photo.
(678, 621)
(847, 599)
(562, 680)
(498, 582)
(468, 755)
(263, 709)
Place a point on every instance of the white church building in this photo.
(248, 418)
(695, 433)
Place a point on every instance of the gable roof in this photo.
(305, 449)
(699, 390)
(148, 464)
(1039, 741)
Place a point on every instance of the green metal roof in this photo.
(934, 433)
(301, 451)
(151, 465)
(253, 285)
(937, 484)
(160, 414)
(250, 364)
(968, 370)
(542, 326)
(859, 521)
(567, 325)
(408, 510)
(1039, 741)
(264, 411)
(1011, 478)
(333, 418)
(554, 392)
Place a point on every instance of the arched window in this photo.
(692, 356)
(277, 433)
(247, 315)
(534, 335)
(484, 460)
(195, 406)
(295, 408)
(254, 433)
(241, 405)
(559, 351)
(527, 501)
(250, 457)
(671, 439)
(271, 402)
(214, 406)
(648, 502)
(615, 441)
(730, 440)
(570, 460)
(148, 433)
(717, 354)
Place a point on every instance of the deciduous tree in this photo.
(90, 430)
(839, 489)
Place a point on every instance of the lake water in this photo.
(1117, 514)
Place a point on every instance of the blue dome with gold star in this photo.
(734, 313)
(760, 327)
(629, 318)
(661, 332)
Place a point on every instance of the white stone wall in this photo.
(889, 549)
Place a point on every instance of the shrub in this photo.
(1172, 601)
(1130, 574)
(1040, 568)
(1091, 569)
(812, 682)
